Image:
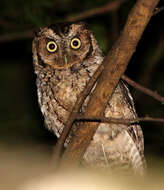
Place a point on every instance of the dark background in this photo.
(21, 123)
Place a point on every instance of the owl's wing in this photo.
(118, 145)
(134, 131)
(128, 147)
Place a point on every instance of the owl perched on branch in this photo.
(65, 57)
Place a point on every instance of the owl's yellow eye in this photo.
(75, 43)
(51, 46)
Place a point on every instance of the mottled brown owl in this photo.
(65, 57)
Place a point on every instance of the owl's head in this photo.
(63, 45)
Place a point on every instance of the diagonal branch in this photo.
(16, 36)
(145, 90)
(114, 66)
(158, 10)
(111, 6)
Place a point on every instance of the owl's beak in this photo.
(65, 60)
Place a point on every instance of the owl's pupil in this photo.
(75, 43)
(51, 46)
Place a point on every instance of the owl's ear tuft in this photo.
(83, 25)
(37, 32)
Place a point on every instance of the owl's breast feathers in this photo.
(58, 91)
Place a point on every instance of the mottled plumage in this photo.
(65, 57)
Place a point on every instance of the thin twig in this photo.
(145, 90)
(111, 6)
(16, 36)
(153, 60)
(158, 10)
(119, 120)
(5, 23)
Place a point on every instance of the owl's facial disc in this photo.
(63, 46)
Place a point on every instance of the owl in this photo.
(65, 57)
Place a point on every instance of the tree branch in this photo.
(158, 10)
(111, 6)
(145, 90)
(16, 36)
(114, 66)
(119, 120)
(153, 60)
